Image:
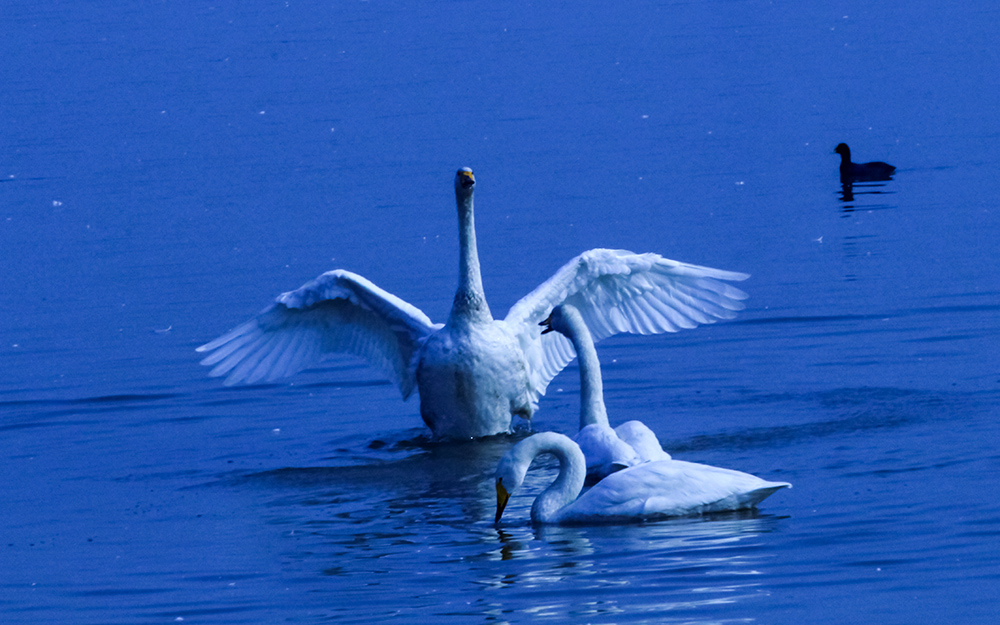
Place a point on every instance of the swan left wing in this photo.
(337, 312)
(620, 291)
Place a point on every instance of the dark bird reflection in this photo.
(846, 191)
(851, 196)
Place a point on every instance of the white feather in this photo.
(606, 450)
(652, 490)
(474, 372)
(609, 287)
(337, 312)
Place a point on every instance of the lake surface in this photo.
(168, 168)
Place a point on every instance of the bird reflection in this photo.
(509, 545)
(414, 509)
(556, 554)
(852, 194)
(847, 191)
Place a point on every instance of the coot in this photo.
(861, 172)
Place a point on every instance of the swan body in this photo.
(651, 490)
(479, 378)
(642, 440)
(861, 172)
(473, 372)
(606, 450)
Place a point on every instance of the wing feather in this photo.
(337, 312)
(223, 349)
(670, 488)
(267, 363)
(620, 291)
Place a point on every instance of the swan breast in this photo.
(472, 379)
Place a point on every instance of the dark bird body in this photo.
(861, 172)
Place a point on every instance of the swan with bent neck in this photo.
(664, 488)
(606, 450)
(474, 372)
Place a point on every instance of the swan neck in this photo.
(592, 409)
(470, 300)
(568, 485)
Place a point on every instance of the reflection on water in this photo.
(851, 203)
(407, 531)
(863, 247)
(422, 523)
(661, 570)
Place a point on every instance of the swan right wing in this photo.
(337, 312)
(620, 291)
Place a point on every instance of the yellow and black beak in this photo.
(466, 179)
(502, 498)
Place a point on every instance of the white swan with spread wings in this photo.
(473, 372)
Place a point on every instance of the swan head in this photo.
(559, 320)
(510, 476)
(465, 182)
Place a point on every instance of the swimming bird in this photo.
(473, 372)
(861, 172)
(606, 450)
(647, 491)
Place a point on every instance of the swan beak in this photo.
(547, 324)
(466, 179)
(502, 498)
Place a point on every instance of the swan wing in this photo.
(337, 312)
(604, 451)
(693, 488)
(640, 438)
(620, 291)
(671, 488)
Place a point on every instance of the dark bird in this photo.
(861, 172)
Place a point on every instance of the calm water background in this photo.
(169, 167)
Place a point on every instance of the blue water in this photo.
(168, 168)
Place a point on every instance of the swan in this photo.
(642, 440)
(606, 450)
(473, 372)
(861, 172)
(647, 491)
